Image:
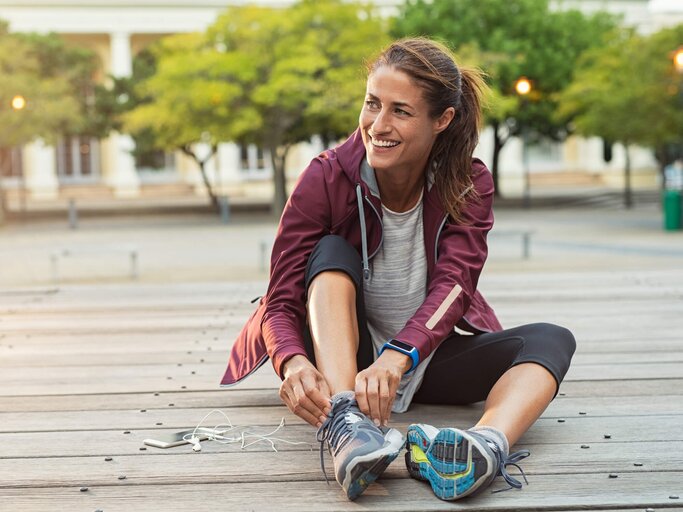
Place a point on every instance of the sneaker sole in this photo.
(362, 471)
(453, 462)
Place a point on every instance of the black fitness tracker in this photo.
(403, 348)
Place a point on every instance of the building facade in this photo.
(117, 29)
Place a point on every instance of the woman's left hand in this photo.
(376, 385)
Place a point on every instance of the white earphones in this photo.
(218, 434)
(196, 447)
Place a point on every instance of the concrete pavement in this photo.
(197, 247)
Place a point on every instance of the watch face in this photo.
(401, 345)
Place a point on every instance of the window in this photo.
(11, 164)
(253, 159)
(78, 159)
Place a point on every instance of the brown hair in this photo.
(432, 66)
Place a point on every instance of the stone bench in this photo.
(60, 254)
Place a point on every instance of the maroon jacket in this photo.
(337, 194)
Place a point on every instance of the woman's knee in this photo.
(550, 334)
(333, 254)
(563, 337)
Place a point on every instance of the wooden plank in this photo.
(510, 313)
(209, 399)
(153, 349)
(574, 396)
(55, 358)
(617, 358)
(140, 378)
(580, 491)
(574, 431)
(621, 388)
(182, 466)
(625, 371)
(172, 417)
(124, 378)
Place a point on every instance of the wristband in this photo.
(403, 348)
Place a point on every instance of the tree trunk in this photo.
(498, 144)
(628, 193)
(205, 178)
(207, 184)
(278, 155)
(662, 157)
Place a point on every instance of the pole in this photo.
(73, 214)
(525, 161)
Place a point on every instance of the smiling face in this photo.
(398, 130)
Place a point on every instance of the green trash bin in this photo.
(671, 204)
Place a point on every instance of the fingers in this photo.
(375, 393)
(294, 405)
(385, 400)
(361, 394)
(306, 394)
(374, 401)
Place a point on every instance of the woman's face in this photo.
(397, 130)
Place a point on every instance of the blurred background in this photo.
(158, 139)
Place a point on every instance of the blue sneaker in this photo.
(360, 450)
(457, 463)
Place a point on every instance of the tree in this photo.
(628, 92)
(52, 77)
(510, 39)
(122, 95)
(51, 105)
(271, 77)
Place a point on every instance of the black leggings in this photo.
(464, 367)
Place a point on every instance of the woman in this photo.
(373, 302)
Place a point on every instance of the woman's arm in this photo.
(462, 250)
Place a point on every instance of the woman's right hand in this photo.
(305, 391)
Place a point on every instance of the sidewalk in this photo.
(198, 247)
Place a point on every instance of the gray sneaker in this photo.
(360, 450)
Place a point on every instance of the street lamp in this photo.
(678, 59)
(523, 88)
(18, 102)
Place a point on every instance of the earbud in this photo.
(196, 447)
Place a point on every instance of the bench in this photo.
(61, 254)
(525, 237)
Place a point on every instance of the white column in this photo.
(511, 168)
(228, 166)
(40, 173)
(120, 170)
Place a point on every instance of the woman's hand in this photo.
(376, 385)
(305, 391)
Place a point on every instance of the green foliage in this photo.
(272, 77)
(77, 66)
(51, 77)
(514, 38)
(629, 90)
(121, 96)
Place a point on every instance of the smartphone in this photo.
(179, 438)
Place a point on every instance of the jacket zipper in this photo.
(381, 226)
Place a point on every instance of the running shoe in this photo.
(458, 463)
(360, 450)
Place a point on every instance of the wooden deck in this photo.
(88, 372)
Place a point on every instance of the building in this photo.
(117, 29)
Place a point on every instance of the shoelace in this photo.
(334, 431)
(512, 460)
